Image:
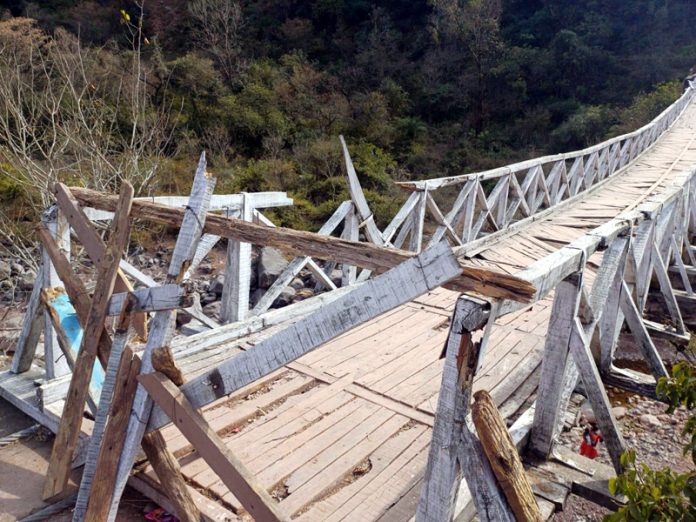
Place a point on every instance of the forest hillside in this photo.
(92, 92)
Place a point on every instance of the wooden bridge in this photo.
(346, 406)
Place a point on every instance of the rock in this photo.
(619, 412)
(17, 269)
(336, 276)
(5, 270)
(649, 419)
(26, 281)
(213, 310)
(256, 296)
(182, 318)
(297, 283)
(285, 298)
(271, 265)
(217, 284)
(303, 293)
(586, 414)
(208, 298)
(205, 268)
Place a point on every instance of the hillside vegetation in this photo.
(92, 92)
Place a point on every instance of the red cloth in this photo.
(588, 447)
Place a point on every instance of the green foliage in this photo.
(662, 494)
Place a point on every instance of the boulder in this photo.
(297, 284)
(5, 270)
(336, 276)
(649, 419)
(256, 296)
(26, 281)
(271, 265)
(213, 310)
(17, 268)
(619, 412)
(217, 284)
(303, 293)
(208, 298)
(286, 297)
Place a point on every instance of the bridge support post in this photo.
(455, 449)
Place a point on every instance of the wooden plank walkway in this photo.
(343, 433)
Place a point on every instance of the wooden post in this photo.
(31, 329)
(210, 447)
(554, 364)
(113, 440)
(109, 385)
(59, 229)
(351, 233)
(69, 430)
(504, 459)
(455, 450)
(235, 291)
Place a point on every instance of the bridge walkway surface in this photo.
(343, 432)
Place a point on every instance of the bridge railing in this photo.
(495, 200)
(599, 282)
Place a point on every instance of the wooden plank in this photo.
(402, 284)
(101, 494)
(207, 443)
(94, 245)
(298, 243)
(235, 291)
(105, 407)
(165, 297)
(666, 290)
(31, 328)
(169, 474)
(66, 438)
(162, 325)
(503, 457)
(351, 233)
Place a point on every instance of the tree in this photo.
(218, 32)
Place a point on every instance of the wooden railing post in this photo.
(56, 364)
(235, 291)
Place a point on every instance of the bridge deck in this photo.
(343, 433)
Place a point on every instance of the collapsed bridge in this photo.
(358, 412)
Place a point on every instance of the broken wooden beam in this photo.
(298, 243)
(165, 297)
(503, 457)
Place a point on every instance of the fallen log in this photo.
(299, 243)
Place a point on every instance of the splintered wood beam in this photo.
(114, 437)
(94, 245)
(455, 451)
(210, 447)
(169, 474)
(298, 243)
(504, 459)
(163, 361)
(400, 285)
(69, 430)
(75, 288)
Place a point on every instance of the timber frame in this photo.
(132, 376)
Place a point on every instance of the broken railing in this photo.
(586, 319)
